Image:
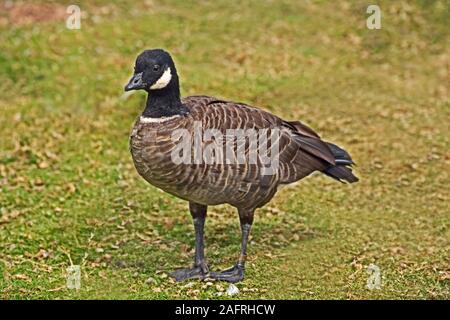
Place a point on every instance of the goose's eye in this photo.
(156, 67)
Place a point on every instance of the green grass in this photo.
(68, 187)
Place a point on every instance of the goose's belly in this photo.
(209, 184)
(152, 156)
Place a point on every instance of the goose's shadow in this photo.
(175, 246)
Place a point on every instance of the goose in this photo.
(246, 185)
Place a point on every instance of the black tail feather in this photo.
(342, 171)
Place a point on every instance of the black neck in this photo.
(164, 102)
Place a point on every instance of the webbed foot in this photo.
(233, 274)
(197, 272)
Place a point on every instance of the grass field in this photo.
(69, 191)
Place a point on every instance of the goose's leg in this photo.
(236, 273)
(200, 268)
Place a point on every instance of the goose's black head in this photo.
(155, 73)
(154, 70)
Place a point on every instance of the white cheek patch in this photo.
(163, 81)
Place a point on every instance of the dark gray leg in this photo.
(236, 273)
(200, 268)
(199, 216)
